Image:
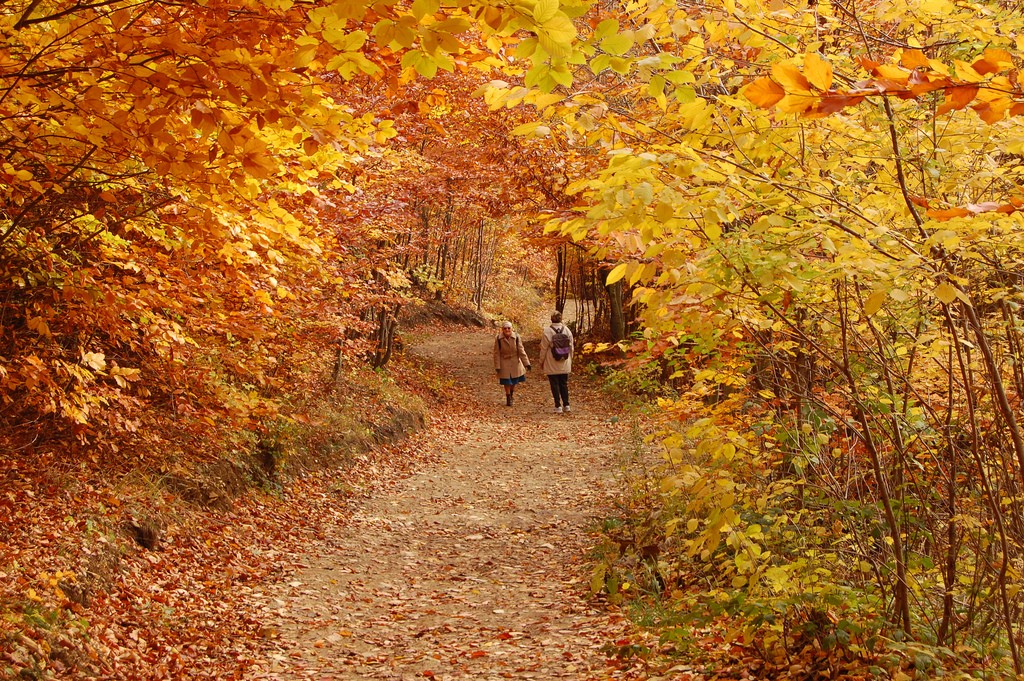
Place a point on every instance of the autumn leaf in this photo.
(947, 214)
(914, 59)
(818, 71)
(874, 302)
(788, 75)
(617, 273)
(618, 44)
(957, 97)
(946, 293)
(764, 92)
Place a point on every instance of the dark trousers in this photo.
(560, 389)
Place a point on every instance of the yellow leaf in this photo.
(945, 292)
(617, 273)
(618, 44)
(663, 211)
(899, 295)
(421, 8)
(874, 302)
(556, 34)
(597, 578)
(545, 10)
(818, 71)
(526, 128)
(620, 64)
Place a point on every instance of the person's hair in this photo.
(506, 325)
(556, 317)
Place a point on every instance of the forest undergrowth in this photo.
(139, 565)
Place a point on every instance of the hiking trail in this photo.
(472, 567)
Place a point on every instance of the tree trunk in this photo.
(617, 320)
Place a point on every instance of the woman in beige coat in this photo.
(556, 350)
(510, 360)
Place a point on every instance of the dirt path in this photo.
(471, 568)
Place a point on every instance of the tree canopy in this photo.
(815, 208)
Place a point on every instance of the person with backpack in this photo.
(556, 351)
(510, 360)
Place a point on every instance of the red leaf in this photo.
(830, 103)
(868, 64)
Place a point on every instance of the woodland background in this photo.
(791, 230)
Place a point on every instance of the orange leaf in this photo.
(889, 86)
(988, 113)
(818, 71)
(1001, 57)
(789, 77)
(764, 92)
(1017, 109)
(958, 97)
(868, 64)
(913, 59)
(893, 73)
(984, 67)
(919, 201)
(993, 61)
(920, 83)
(800, 103)
(947, 214)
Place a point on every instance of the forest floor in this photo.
(472, 566)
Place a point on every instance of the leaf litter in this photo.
(457, 554)
(472, 566)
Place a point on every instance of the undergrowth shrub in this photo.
(737, 531)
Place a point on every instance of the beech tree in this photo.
(816, 204)
(171, 176)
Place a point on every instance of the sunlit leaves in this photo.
(618, 44)
(556, 34)
(991, 80)
(844, 199)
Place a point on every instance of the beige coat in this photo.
(549, 365)
(510, 358)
